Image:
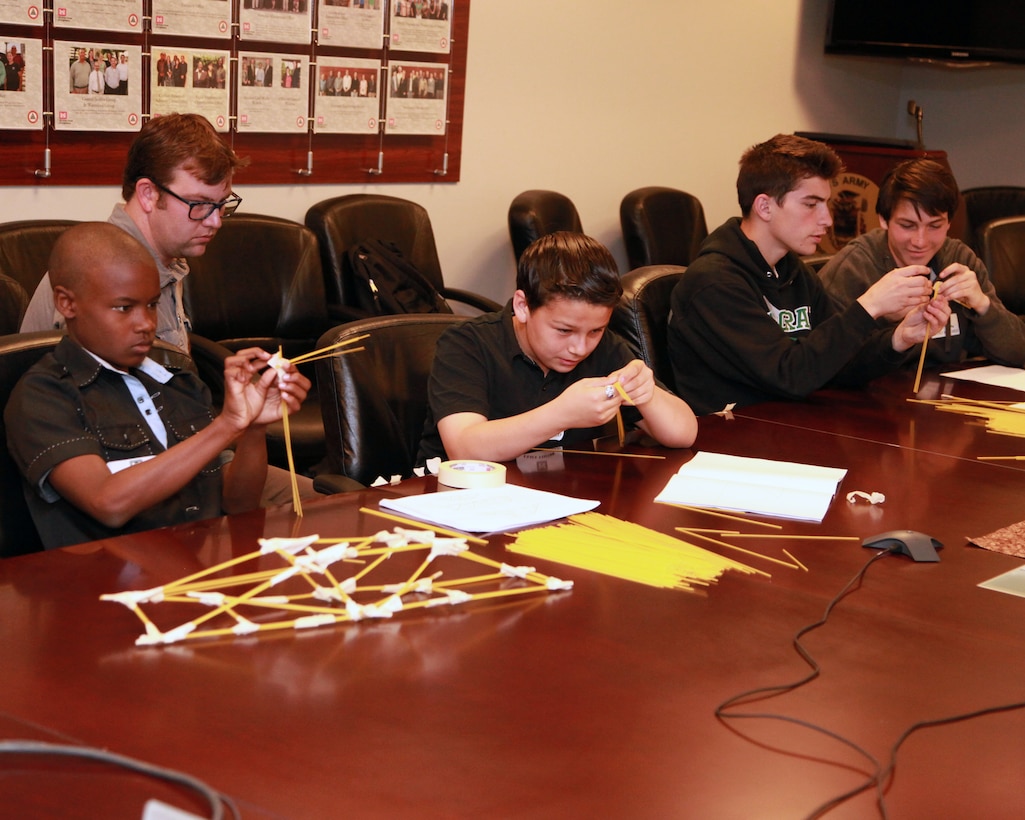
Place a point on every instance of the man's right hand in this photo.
(898, 292)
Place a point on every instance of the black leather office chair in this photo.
(18, 352)
(642, 316)
(260, 284)
(13, 301)
(1003, 252)
(661, 226)
(816, 261)
(986, 203)
(537, 213)
(345, 221)
(375, 400)
(25, 247)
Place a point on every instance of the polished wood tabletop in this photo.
(596, 702)
(887, 411)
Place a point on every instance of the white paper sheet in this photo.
(1013, 582)
(494, 509)
(781, 489)
(994, 374)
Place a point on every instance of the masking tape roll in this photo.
(471, 475)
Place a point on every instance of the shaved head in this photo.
(87, 250)
(106, 286)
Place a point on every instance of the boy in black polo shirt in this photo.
(543, 371)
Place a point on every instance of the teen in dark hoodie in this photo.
(751, 322)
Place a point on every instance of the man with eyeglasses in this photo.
(177, 189)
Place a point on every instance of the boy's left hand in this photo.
(637, 381)
(252, 400)
(921, 324)
(958, 283)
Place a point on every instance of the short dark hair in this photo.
(568, 265)
(929, 186)
(86, 249)
(777, 166)
(170, 141)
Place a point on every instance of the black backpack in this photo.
(385, 282)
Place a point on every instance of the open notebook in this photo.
(781, 489)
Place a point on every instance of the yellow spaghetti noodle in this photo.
(610, 546)
(1004, 419)
(323, 353)
(925, 345)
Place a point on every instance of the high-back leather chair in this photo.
(1003, 252)
(375, 400)
(260, 284)
(25, 247)
(537, 213)
(343, 222)
(986, 203)
(18, 352)
(816, 261)
(13, 301)
(661, 226)
(642, 316)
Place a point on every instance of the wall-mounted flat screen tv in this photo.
(960, 31)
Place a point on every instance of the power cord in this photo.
(880, 778)
(215, 799)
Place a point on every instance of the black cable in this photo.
(766, 692)
(215, 799)
(881, 778)
(886, 775)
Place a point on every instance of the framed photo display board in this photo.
(311, 91)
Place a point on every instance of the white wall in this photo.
(976, 115)
(594, 99)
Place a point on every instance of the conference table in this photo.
(599, 701)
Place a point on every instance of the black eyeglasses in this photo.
(198, 211)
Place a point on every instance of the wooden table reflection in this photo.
(597, 702)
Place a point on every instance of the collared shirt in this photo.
(143, 399)
(69, 405)
(173, 325)
(79, 74)
(479, 367)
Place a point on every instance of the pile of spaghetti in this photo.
(611, 546)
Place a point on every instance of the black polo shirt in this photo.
(480, 368)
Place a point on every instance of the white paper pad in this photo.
(776, 488)
(995, 374)
(493, 509)
(1013, 582)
